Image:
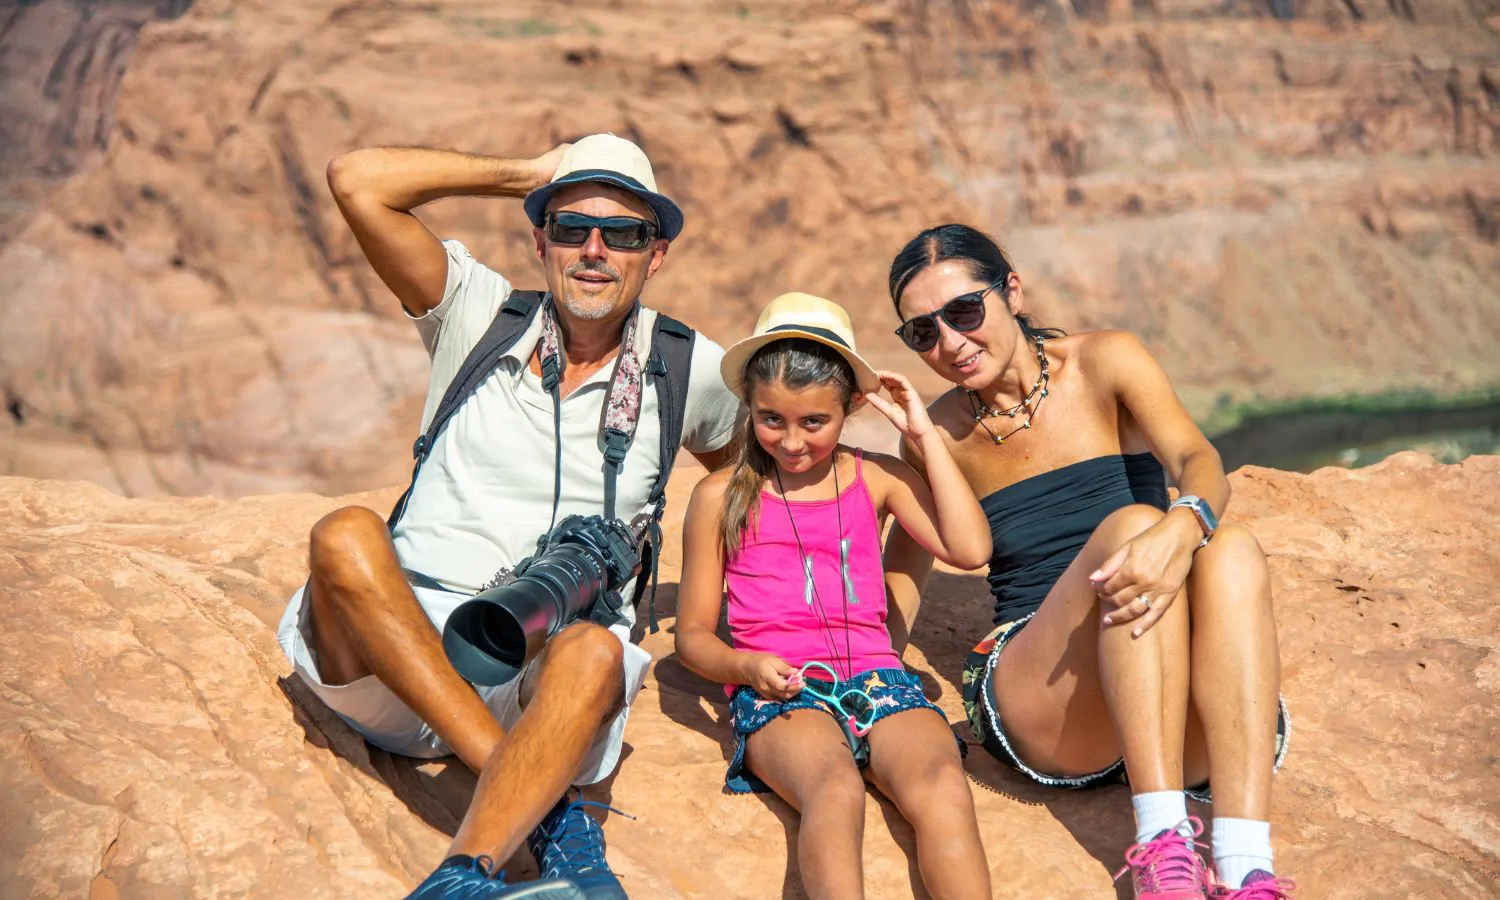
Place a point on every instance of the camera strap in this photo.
(668, 367)
(553, 362)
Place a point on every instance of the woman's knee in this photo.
(1230, 574)
(1234, 545)
(1127, 522)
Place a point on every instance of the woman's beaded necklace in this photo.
(1029, 404)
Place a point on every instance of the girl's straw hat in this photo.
(799, 316)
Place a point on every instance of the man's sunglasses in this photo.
(618, 232)
(963, 314)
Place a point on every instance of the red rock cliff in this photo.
(1280, 207)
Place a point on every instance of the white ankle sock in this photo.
(1158, 811)
(1240, 847)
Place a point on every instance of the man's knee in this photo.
(591, 654)
(342, 539)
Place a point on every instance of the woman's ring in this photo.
(1146, 601)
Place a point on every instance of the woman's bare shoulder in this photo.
(1102, 353)
(1106, 342)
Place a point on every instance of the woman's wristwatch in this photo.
(1201, 511)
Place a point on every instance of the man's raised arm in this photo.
(377, 188)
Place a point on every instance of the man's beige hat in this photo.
(799, 316)
(610, 160)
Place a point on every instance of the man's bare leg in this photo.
(366, 620)
(579, 685)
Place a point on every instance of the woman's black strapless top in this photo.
(1038, 525)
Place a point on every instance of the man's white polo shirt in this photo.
(484, 495)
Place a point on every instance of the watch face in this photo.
(1202, 510)
(1210, 520)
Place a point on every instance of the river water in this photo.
(1306, 441)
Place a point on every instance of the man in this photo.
(363, 637)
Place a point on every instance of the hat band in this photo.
(810, 329)
(579, 175)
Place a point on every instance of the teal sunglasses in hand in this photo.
(855, 705)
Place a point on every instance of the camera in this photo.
(577, 572)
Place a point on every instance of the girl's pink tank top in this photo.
(840, 622)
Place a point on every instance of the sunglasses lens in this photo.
(618, 232)
(965, 313)
(920, 334)
(858, 706)
(564, 229)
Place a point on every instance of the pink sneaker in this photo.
(1168, 868)
(1259, 885)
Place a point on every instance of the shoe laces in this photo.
(573, 841)
(1168, 861)
(483, 864)
(1271, 888)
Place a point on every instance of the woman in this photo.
(1114, 607)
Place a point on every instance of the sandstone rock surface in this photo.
(1284, 199)
(150, 745)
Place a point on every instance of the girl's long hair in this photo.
(795, 363)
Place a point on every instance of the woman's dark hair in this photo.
(796, 363)
(976, 250)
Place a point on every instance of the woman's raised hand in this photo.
(905, 408)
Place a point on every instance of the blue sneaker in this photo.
(568, 844)
(470, 878)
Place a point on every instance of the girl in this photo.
(1114, 608)
(817, 693)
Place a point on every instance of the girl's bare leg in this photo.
(804, 758)
(915, 762)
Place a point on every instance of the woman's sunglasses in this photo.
(618, 232)
(963, 314)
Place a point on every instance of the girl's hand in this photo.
(769, 675)
(905, 408)
(1154, 565)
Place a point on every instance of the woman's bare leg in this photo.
(1236, 672)
(1074, 697)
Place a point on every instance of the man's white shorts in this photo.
(385, 721)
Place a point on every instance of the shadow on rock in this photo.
(1100, 819)
(437, 791)
(685, 696)
(956, 613)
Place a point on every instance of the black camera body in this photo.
(577, 572)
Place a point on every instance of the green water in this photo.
(1311, 439)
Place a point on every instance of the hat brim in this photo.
(732, 366)
(668, 215)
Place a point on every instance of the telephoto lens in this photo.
(582, 562)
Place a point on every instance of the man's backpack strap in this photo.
(670, 367)
(509, 324)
